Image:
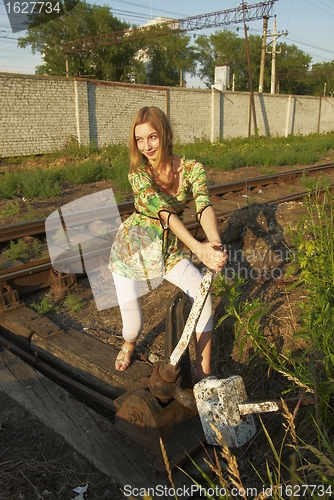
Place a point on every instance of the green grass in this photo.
(44, 306)
(310, 369)
(21, 250)
(87, 164)
(11, 208)
(73, 303)
(265, 152)
(313, 240)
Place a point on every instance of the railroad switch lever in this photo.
(165, 380)
(167, 411)
(223, 405)
(165, 384)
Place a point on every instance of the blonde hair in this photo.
(157, 119)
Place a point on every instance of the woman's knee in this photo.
(187, 277)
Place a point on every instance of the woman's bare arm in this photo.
(206, 252)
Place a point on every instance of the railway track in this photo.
(84, 364)
(37, 227)
(271, 189)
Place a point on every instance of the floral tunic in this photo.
(144, 248)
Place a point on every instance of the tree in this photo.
(156, 56)
(226, 47)
(166, 58)
(321, 78)
(292, 70)
(111, 62)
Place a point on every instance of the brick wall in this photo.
(326, 114)
(112, 107)
(190, 114)
(235, 114)
(40, 114)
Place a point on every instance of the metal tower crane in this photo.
(242, 13)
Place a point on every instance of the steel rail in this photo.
(38, 274)
(234, 186)
(37, 227)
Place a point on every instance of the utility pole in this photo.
(273, 56)
(273, 62)
(252, 102)
(181, 78)
(66, 65)
(263, 53)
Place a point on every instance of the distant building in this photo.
(161, 20)
(142, 53)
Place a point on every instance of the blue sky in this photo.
(309, 24)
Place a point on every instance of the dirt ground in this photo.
(37, 464)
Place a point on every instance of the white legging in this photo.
(184, 275)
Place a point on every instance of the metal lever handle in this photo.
(193, 318)
(270, 406)
(184, 398)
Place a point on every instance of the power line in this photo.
(317, 7)
(193, 23)
(304, 71)
(312, 46)
(328, 6)
(5, 39)
(299, 41)
(146, 7)
(131, 15)
(13, 57)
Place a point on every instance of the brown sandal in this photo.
(121, 364)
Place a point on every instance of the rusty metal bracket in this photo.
(44, 327)
(142, 419)
(63, 280)
(9, 298)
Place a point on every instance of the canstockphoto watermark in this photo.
(25, 14)
(285, 491)
(260, 256)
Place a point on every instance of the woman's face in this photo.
(147, 140)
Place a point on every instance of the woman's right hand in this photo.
(212, 254)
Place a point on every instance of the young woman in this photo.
(150, 243)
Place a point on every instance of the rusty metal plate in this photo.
(44, 327)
